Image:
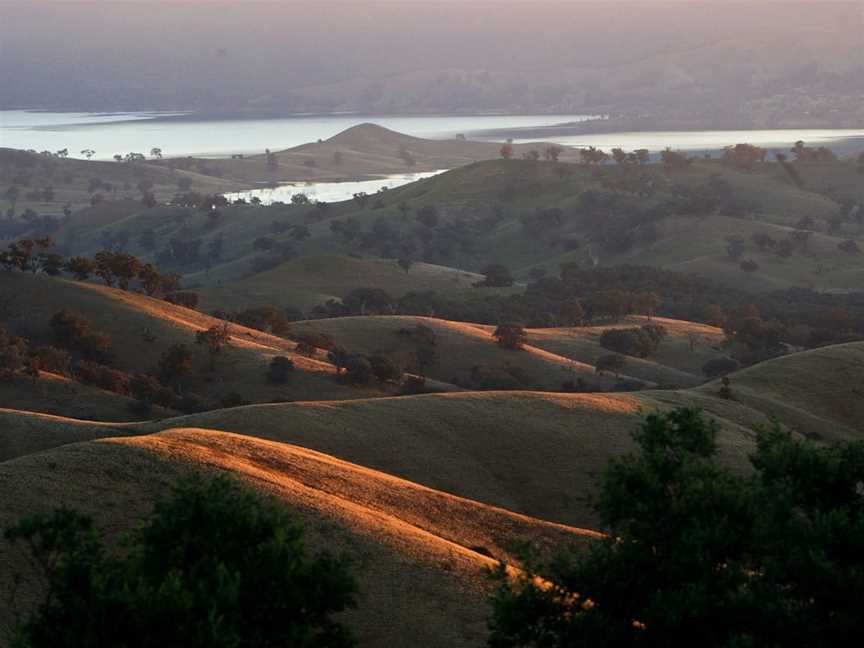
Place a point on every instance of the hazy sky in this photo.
(182, 53)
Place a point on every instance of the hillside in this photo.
(142, 328)
(364, 150)
(312, 280)
(530, 452)
(551, 358)
(420, 553)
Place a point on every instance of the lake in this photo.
(108, 134)
(181, 135)
(330, 191)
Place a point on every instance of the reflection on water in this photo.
(329, 191)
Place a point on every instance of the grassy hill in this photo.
(530, 452)
(364, 150)
(70, 180)
(141, 328)
(419, 553)
(309, 281)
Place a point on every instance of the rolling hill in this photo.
(419, 553)
(142, 328)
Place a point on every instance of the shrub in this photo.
(214, 565)
(280, 370)
(717, 367)
(641, 341)
(612, 362)
(510, 336)
(385, 370)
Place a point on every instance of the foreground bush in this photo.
(699, 556)
(215, 566)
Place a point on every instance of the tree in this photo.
(385, 369)
(497, 276)
(552, 152)
(214, 340)
(849, 246)
(763, 241)
(81, 267)
(510, 335)
(506, 151)
(365, 301)
(749, 266)
(174, 363)
(88, 153)
(214, 565)
(735, 246)
(612, 362)
(150, 278)
(717, 367)
(698, 555)
(358, 370)
(405, 264)
(280, 370)
(73, 331)
(156, 152)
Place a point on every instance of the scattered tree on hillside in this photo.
(174, 364)
(385, 369)
(510, 335)
(497, 276)
(612, 362)
(717, 367)
(214, 340)
(507, 150)
(280, 370)
(749, 266)
(256, 586)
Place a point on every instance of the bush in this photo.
(641, 341)
(717, 367)
(280, 370)
(697, 555)
(510, 336)
(215, 565)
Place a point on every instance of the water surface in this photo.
(329, 191)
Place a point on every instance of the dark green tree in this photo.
(215, 566)
(699, 555)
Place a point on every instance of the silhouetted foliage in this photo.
(214, 565)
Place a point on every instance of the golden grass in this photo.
(459, 348)
(128, 316)
(420, 553)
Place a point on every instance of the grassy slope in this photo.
(126, 316)
(535, 453)
(53, 394)
(531, 452)
(459, 347)
(674, 364)
(308, 281)
(419, 552)
(70, 178)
